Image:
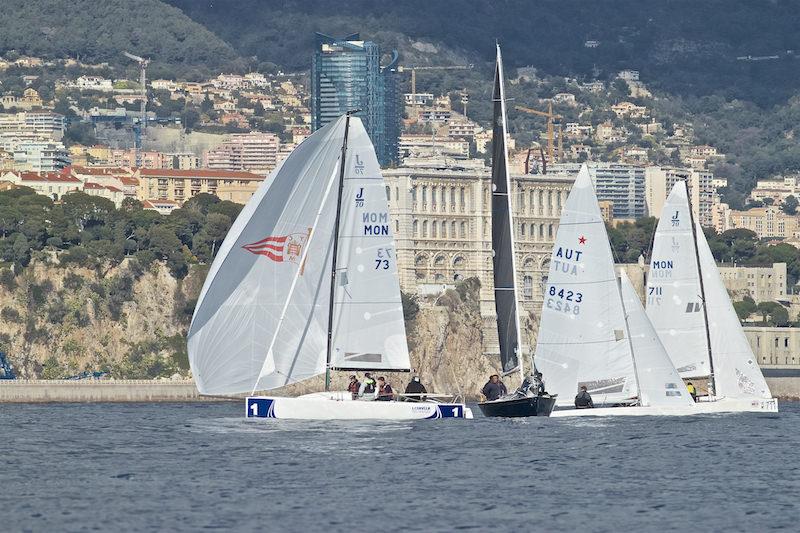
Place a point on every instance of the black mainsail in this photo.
(504, 262)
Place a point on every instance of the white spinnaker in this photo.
(736, 372)
(259, 263)
(582, 330)
(659, 382)
(369, 331)
(674, 304)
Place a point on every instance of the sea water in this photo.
(202, 466)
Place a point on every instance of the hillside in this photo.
(100, 31)
(687, 48)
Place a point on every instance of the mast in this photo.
(712, 385)
(497, 191)
(630, 340)
(329, 352)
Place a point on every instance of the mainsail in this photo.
(659, 382)
(368, 327)
(582, 331)
(674, 302)
(504, 262)
(261, 321)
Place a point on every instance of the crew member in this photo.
(385, 392)
(494, 388)
(415, 388)
(353, 386)
(692, 391)
(538, 384)
(583, 400)
(367, 386)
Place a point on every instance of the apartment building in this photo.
(620, 183)
(180, 185)
(253, 152)
(660, 180)
(768, 221)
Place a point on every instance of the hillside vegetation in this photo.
(100, 31)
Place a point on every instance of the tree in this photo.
(775, 312)
(790, 205)
(745, 308)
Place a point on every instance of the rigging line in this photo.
(296, 277)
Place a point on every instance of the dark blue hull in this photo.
(519, 407)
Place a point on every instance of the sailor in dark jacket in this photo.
(415, 388)
(583, 400)
(494, 388)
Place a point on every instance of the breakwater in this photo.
(81, 391)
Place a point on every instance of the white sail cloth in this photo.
(581, 337)
(674, 304)
(736, 373)
(262, 317)
(659, 382)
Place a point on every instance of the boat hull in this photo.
(340, 406)
(518, 407)
(724, 405)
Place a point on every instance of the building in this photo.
(776, 189)
(768, 221)
(255, 152)
(762, 284)
(180, 185)
(345, 75)
(430, 146)
(660, 180)
(104, 191)
(49, 125)
(774, 346)
(162, 207)
(38, 156)
(52, 184)
(441, 218)
(620, 183)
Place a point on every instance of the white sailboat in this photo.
(305, 283)
(594, 330)
(689, 306)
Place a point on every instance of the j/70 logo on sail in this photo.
(280, 249)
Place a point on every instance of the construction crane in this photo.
(142, 129)
(551, 118)
(414, 70)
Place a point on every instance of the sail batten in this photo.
(503, 250)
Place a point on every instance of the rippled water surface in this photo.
(134, 467)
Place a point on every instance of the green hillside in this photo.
(98, 31)
(687, 48)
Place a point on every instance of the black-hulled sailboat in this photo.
(525, 401)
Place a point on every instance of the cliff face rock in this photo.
(57, 321)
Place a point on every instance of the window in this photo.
(550, 231)
(424, 195)
(397, 193)
(463, 203)
(433, 229)
(396, 227)
(463, 232)
(414, 194)
(522, 229)
(786, 342)
(433, 197)
(415, 226)
(452, 198)
(527, 288)
(776, 342)
(453, 227)
(541, 231)
(388, 194)
(444, 230)
(424, 228)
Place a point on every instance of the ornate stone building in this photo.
(442, 225)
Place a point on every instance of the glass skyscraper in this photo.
(346, 74)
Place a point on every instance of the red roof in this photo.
(152, 204)
(50, 177)
(199, 173)
(112, 188)
(100, 171)
(127, 180)
(90, 185)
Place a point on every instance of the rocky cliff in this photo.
(57, 321)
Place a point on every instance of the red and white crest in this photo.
(280, 249)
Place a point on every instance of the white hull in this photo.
(724, 405)
(340, 406)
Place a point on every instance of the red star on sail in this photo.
(582, 240)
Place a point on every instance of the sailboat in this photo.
(690, 308)
(594, 331)
(521, 403)
(305, 283)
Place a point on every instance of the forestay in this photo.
(582, 331)
(659, 382)
(503, 260)
(736, 372)
(368, 327)
(674, 302)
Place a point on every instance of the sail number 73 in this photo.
(382, 258)
(564, 300)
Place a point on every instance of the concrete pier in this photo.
(66, 391)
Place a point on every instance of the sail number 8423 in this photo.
(564, 300)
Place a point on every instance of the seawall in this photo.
(79, 391)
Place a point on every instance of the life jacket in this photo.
(354, 386)
(691, 389)
(369, 385)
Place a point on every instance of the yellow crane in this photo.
(551, 118)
